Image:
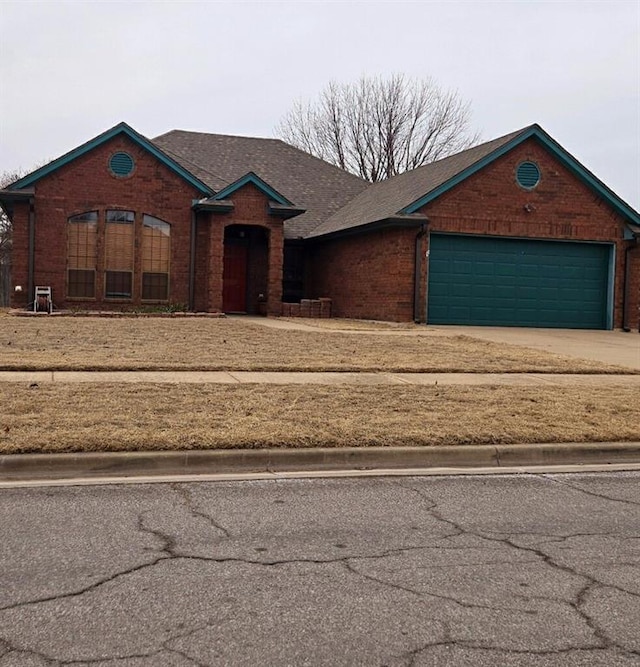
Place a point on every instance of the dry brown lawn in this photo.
(231, 344)
(98, 417)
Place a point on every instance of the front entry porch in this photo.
(245, 278)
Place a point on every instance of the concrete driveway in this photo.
(611, 347)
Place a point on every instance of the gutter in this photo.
(219, 206)
(284, 210)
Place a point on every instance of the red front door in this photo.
(234, 279)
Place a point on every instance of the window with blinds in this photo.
(156, 256)
(82, 236)
(119, 248)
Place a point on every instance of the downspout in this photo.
(418, 273)
(192, 262)
(32, 247)
(627, 285)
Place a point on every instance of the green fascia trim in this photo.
(255, 180)
(387, 223)
(120, 128)
(556, 149)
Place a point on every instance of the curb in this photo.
(19, 467)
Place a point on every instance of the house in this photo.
(513, 232)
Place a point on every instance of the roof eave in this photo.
(394, 221)
(17, 195)
(214, 206)
(9, 197)
(283, 211)
(631, 231)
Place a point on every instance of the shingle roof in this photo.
(390, 197)
(307, 181)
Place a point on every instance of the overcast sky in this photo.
(70, 70)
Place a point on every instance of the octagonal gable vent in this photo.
(121, 164)
(528, 175)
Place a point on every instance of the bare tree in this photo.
(377, 128)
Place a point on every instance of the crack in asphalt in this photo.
(168, 549)
(595, 494)
(165, 648)
(183, 491)
(576, 604)
(428, 594)
(86, 589)
(11, 648)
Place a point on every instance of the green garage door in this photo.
(517, 282)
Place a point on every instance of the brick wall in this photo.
(372, 275)
(562, 207)
(368, 276)
(86, 184)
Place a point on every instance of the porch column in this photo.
(216, 265)
(276, 251)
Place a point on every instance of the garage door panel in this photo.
(517, 282)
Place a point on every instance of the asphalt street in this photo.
(532, 569)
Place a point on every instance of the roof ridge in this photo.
(271, 139)
(216, 134)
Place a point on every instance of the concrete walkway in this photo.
(322, 378)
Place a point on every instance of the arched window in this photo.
(82, 234)
(156, 256)
(118, 263)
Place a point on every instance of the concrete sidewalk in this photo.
(323, 378)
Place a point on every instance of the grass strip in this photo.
(147, 417)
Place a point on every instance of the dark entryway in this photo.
(246, 269)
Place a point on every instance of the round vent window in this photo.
(121, 164)
(528, 175)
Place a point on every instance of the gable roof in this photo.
(408, 192)
(257, 182)
(308, 182)
(120, 128)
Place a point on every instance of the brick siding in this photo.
(371, 275)
(85, 184)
